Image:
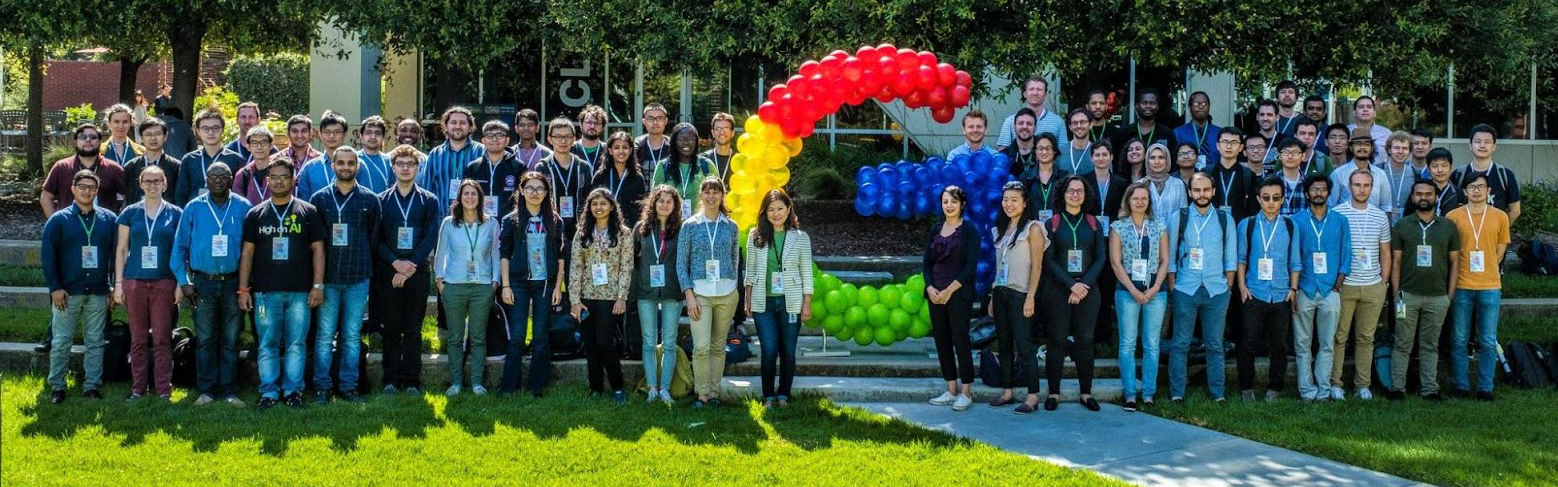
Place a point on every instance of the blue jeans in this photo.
(281, 316)
(342, 310)
(533, 306)
(1144, 321)
(658, 322)
(777, 329)
(217, 322)
(1213, 312)
(1485, 305)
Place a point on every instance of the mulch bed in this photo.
(836, 229)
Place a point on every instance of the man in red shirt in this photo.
(56, 185)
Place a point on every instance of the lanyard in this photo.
(256, 178)
(1201, 134)
(1044, 190)
(1071, 155)
(471, 237)
(685, 171)
(709, 230)
(1150, 134)
(492, 175)
(1141, 237)
(340, 206)
(616, 188)
(1227, 184)
(1209, 216)
(1476, 231)
(1319, 232)
(1431, 225)
(529, 159)
(1439, 205)
(1284, 127)
(121, 152)
(659, 244)
(378, 169)
(1400, 180)
(778, 254)
(405, 210)
(1074, 243)
(151, 220)
(205, 162)
(725, 171)
(567, 186)
(1103, 189)
(1099, 134)
(654, 155)
(1308, 162)
(220, 220)
(1266, 244)
(84, 226)
(278, 213)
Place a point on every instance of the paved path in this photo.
(1139, 448)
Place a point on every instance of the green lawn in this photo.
(27, 324)
(564, 439)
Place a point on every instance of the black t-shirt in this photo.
(298, 224)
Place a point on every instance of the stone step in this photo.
(867, 389)
(21, 252)
(866, 278)
(900, 266)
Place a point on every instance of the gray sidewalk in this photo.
(1137, 447)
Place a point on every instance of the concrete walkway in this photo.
(1137, 447)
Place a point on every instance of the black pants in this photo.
(599, 332)
(1015, 333)
(1270, 323)
(949, 327)
(401, 310)
(1075, 320)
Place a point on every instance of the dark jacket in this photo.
(513, 245)
(643, 257)
(969, 248)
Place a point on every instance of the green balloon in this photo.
(915, 285)
(911, 301)
(900, 335)
(918, 329)
(844, 334)
(925, 312)
(898, 319)
(833, 323)
(877, 315)
(818, 313)
(884, 336)
(830, 283)
(835, 301)
(864, 335)
(855, 317)
(890, 296)
(868, 296)
(851, 293)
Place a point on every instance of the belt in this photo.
(214, 277)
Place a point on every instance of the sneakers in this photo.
(1365, 395)
(452, 391)
(1248, 395)
(413, 391)
(1130, 406)
(654, 395)
(1396, 395)
(783, 402)
(665, 396)
(133, 397)
(265, 403)
(204, 399)
(945, 399)
(478, 390)
(351, 395)
(1433, 396)
(295, 400)
(57, 396)
(962, 403)
(1272, 396)
(618, 397)
(1485, 396)
(238, 403)
(389, 390)
(1337, 394)
(93, 394)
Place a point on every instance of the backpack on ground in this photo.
(498, 330)
(184, 357)
(630, 345)
(737, 347)
(1527, 365)
(1540, 258)
(1384, 348)
(116, 351)
(563, 336)
(681, 375)
(981, 332)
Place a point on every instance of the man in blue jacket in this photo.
(78, 242)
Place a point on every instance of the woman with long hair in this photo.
(1041, 181)
(467, 261)
(779, 290)
(602, 273)
(622, 176)
(706, 261)
(531, 246)
(949, 265)
(655, 289)
(1133, 160)
(1138, 244)
(1073, 262)
(1019, 255)
(683, 170)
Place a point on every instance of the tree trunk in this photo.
(34, 141)
(129, 70)
(186, 42)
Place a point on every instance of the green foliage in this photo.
(1538, 209)
(274, 81)
(219, 98)
(80, 114)
(820, 173)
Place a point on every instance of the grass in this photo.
(27, 324)
(1518, 285)
(564, 439)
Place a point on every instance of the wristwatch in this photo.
(319, 286)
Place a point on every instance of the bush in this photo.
(219, 98)
(820, 173)
(79, 114)
(1538, 209)
(279, 82)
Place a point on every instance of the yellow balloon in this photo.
(732, 201)
(792, 145)
(771, 132)
(738, 163)
(753, 124)
(741, 182)
(781, 176)
(774, 159)
(765, 182)
(745, 142)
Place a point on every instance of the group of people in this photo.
(1256, 231)
(310, 244)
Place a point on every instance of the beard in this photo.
(92, 152)
(1423, 205)
(1318, 200)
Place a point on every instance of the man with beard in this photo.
(1314, 109)
(527, 125)
(1200, 129)
(1287, 95)
(353, 215)
(1204, 255)
(1361, 145)
(445, 164)
(1326, 262)
(1097, 104)
(1147, 128)
(1363, 111)
(154, 135)
(377, 175)
(1020, 154)
(196, 164)
(317, 171)
(284, 258)
(592, 126)
(1363, 291)
(205, 264)
(1266, 119)
(1426, 255)
(57, 185)
(1034, 91)
(248, 117)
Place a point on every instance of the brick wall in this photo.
(71, 83)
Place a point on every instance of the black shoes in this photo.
(1025, 408)
(94, 394)
(57, 397)
(1485, 396)
(352, 396)
(265, 403)
(1435, 397)
(1090, 403)
(295, 400)
(1001, 403)
(1395, 395)
(1051, 403)
(322, 398)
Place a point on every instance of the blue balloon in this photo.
(921, 176)
(866, 174)
(984, 268)
(950, 175)
(961, 162)
(869, 193)
(922, 206)
(906, 190)
(904, 167)
(980, 161)
(863, 208)
(905, 212)
(886, 204)
(1000, 162)
(933, 161)
(888, 177)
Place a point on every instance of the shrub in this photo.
(1538, 209)
(279, 82)
(79, 114)
(821, 173)
(223, 100)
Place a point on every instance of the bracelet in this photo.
(243, 290)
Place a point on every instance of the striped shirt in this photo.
(442, 170)
(1369, 227)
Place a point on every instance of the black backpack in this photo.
(1249, 236)
(563, 336)
(737, 347)
(1184, 222)
(184, 357)
(116, 351)
(1526, 365)
(1539, 258)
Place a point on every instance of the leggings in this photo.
(599, 333)
(1078, 321)
(1016, 335)
(949, 327)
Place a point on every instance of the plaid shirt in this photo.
(445, 164)
(352, 262)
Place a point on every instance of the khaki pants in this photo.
(1425, 318)
(708, 341)
(1361, 306)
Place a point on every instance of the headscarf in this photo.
(1158, 177)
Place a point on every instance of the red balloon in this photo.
(777, 91)
(946, 75)
(885, 95)
(784, 108)
(807, 130)
(809, 68)
(850, 69)
(914, 100)
(870, 82)
(821, 89)
(867, 52)
(858, 97)
(925, 76)
(798, 86)
(838, 53)
(959, 96)
(790, 129)
(936, 97)
(943, 114)
(927, 58)
(768, 111)
(903, 84)
(907, 59)
(963, 79)
(886, 49)
(886, 65)
(830, 68)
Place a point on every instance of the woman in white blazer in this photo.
(778, 290)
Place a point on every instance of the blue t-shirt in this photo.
(151, 240)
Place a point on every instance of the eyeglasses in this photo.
(1292, 152)
(533, 189)
(210, 128)
(1226, 143)
(407, 165)
(493, 135)
(1478, 187)
(1075, 191)
(88, 137)
(660, 118)
(153, 182)
(560, 136)
(1200, 104)
(588, 122)
(1271, 197)
(278, 177)
(332, 132)
(86, 187)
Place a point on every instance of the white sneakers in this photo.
(478, 390)
(1364, 394)
(962, 403)
(945, 399)
(452, 391)
(1337, 394)
(666, 397)
(959, 402)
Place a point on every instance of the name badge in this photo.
(686, 209)
(1478, 264)
(1264, 269)
(1425, 255)
(403, 238)
(537, 262)
(1139, 270)
(598, 275)
(1074, 260)
(280, 248)
(148, 257)
(1044, 215)
(657, 275)
(1401, 308)
(1103, 224)
(776, 282)
(88, 257)
(470, 267)
(711, 269)
(338, 236)
(489, 205)
(1197, 258)
(565, 206)
(1001, 274)
(1318, 259)
(454, 189)
(219, 246)
(1367, 259)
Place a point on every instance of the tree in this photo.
(242, 26)
(39, 25)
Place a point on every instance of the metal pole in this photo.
(606, 89)
(1449, 129)
(542, 91)
(833, 138)
(1131, 112)
(638, 98)
(685, 114)
(1531, 114)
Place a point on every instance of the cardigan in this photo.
(797, 276)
